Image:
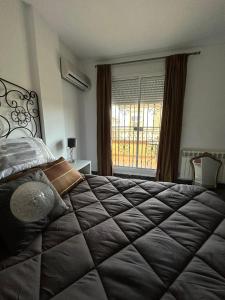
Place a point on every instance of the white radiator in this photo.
(188, 154)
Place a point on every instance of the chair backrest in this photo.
(205, 170)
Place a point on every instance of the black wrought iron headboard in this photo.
(19, 111)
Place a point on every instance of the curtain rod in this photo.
(148, 59)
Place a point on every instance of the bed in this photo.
(125, 239)
(122, 239)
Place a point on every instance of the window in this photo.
(136, 120)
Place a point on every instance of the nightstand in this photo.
(83, 166)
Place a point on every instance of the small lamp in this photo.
(71, 144)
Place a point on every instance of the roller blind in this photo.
(152, 88)
(147, 89)
(125, 90)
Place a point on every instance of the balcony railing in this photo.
(135, 147)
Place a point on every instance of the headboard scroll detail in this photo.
(19, 111)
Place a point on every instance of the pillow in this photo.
(62, 175)
(22, 153)
(16, 234)
(32, 201)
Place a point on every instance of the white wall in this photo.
(89, 122)
(47, 56)
(73, 104)
(204, 103)
(30, 52)
(14, 51)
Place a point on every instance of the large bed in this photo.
(118, 239)
(125, 239)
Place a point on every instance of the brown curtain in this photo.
(104, 152)
(169, 144)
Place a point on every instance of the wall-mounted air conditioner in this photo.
(70, 73)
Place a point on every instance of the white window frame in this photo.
(135, 170)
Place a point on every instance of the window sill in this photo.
(135, 171)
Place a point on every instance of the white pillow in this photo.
(22, 153)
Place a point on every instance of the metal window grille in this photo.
(136, 121)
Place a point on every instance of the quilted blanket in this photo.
(125, 239)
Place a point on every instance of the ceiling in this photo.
(103, 29)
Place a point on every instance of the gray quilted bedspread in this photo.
(125, 239)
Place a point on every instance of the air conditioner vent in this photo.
(70, 73)
(77, 80)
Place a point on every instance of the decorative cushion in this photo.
(22, 153)
(62, 175)
(32, 201)
(16, 234)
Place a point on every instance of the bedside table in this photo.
(83, 166)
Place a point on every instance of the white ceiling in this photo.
(102, 29)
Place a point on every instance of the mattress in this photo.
(125, 239)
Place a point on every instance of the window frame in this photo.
(137, 170)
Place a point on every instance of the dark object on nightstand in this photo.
(71, 144)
